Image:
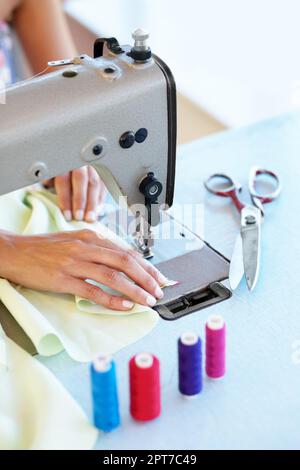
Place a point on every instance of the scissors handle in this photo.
(224, 186)
(264, 198)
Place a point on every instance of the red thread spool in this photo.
(144, 380)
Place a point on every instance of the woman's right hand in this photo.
(61, 262)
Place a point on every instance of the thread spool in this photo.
(215, 331)
(105, 394)
(144, 376)
(190, 364)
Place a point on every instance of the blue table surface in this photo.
(257, 404)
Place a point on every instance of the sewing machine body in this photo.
(52, 124)
(90, 113)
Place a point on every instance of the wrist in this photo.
(7, 243)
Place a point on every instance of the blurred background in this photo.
(235, 61)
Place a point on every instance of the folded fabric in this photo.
(37, 413)
(56, 321)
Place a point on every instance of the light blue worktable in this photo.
(257, 404)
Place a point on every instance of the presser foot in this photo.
(144, 247)
(143, 237)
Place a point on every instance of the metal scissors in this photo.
(246, 254)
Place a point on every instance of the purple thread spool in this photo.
(215, 330)
(190, 364)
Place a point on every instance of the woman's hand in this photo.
(80, 193)
(61, 262)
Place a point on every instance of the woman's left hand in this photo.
(81, 193)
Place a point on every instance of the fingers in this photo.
(124, 262)
(93, 240)
(64, 193)
(96, 239)
(117, 281)
(102, 196)
(79, 189)
(48, 183)
(98, 296)
(149, 268)
(80, 193)
(93, 194)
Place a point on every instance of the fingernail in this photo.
(68, 216)
(159, 293)
(90, 216)
(127, 304)
(79, 214)
(162, 279)
(151, 301)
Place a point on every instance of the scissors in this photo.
(246, 254)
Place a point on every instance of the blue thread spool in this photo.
(189, 364)
(105, 394)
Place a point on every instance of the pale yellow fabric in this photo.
(55, 321)
(36, 412)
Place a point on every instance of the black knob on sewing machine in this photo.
(151, 188)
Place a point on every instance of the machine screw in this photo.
(250, 219)
(38, 171)
(109, 70)
(97, 149)
(154, 190)
(70, 73)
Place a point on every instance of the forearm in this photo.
(43, 30)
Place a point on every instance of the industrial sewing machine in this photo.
(117, 112)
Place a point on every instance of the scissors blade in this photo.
(236, 269)
(251, 235)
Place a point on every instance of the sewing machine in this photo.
(117, 112)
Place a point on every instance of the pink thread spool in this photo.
(215, 331)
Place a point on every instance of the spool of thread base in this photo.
(144, 376)
(190, 365)
(105, 394)
(215, 332)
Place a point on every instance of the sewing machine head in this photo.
(116, 111)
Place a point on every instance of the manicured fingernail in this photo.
(159, 293)
(151, 301)
(162, 279)
(127, 304)
(68, 216)
(79, 214)
(90, 216)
